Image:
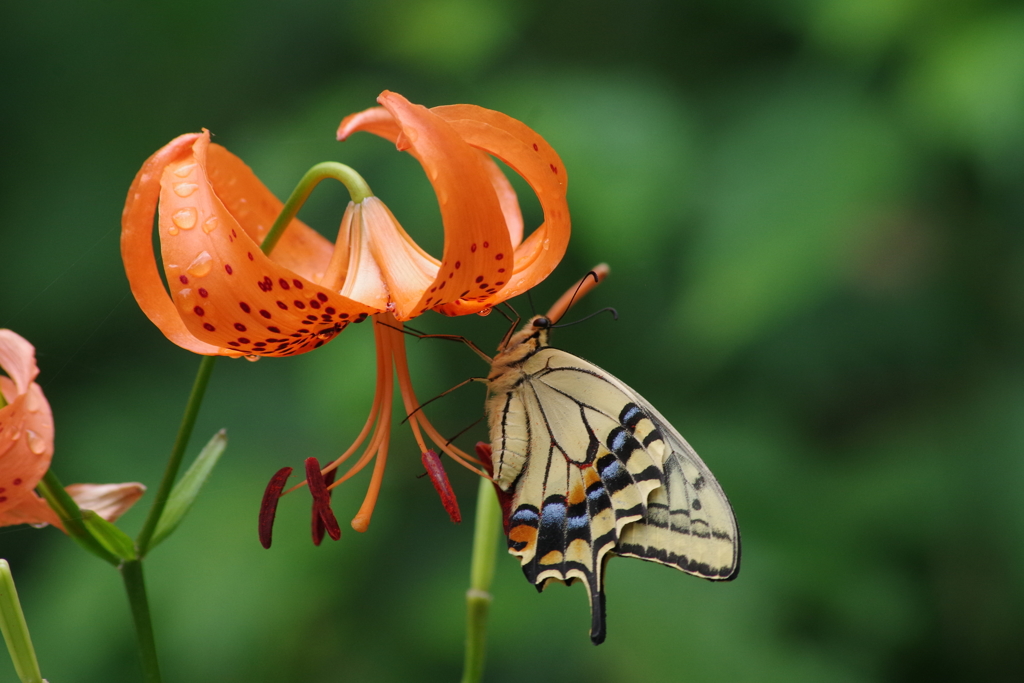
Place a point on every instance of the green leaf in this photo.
(109, 536)
(186, 490)
(15, 630)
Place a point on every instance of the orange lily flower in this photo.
(26, 447)
(228, 298)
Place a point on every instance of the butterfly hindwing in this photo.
(689, 523)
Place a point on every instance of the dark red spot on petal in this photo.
(498, 284)
(183, 279)
(17, 482)
(313, 303)
(233, 343)
(198, 310)
(298, 304)
(298, 285)
(268, 508)
(473, 248)
(486, 244)
(251, 256)
(479, 278)
(244, 306)
(240, 327)
(282, 305)
(458, 264)
(441, 286)
(501, 270)
(265, 313)
(484, 286)
(243, 340)
(554, 169)
(227, 269)
(208, 326)
(284, 283)
(275, 330)
(321, 296)
(535, 147)
(329, 310)
(438, 477)
(202, 292)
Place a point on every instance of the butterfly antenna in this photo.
(589, 281)
(443, 393)
(533, 307)
(449, 441)
(615, 316)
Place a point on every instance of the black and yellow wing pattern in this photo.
(589, 469)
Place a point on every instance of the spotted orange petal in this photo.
(226, 293)
(529, 155)
(26, 424)
(477, 241)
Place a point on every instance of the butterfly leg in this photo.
(451, 337)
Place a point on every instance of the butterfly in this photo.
(585, 468)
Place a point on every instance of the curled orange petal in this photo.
(529, 155)
(226, 296)
(478, 245)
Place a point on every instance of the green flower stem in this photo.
(66, 508)
(188, 421)
(357, 189)
(15, 630)
(486, 532)
(135, 586)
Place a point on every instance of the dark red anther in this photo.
(318, 522)
(268, 508)
(483, 451)
(321, 498)
(432, 462)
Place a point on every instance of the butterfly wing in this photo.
(593, 469)
(689, 523)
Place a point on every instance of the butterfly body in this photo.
(587, 468)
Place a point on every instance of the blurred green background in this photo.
(813, 213)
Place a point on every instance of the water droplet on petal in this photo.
(36, 443)
(211, 224)
(172, 230)
(252, 358)
(201, 266)
(185, 218)
(185, 189)
(183, 171)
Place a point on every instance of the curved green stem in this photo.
(188, 421)
(357, 189)
(486, 531)
(135, 586)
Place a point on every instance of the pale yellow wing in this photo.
(583, 459)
